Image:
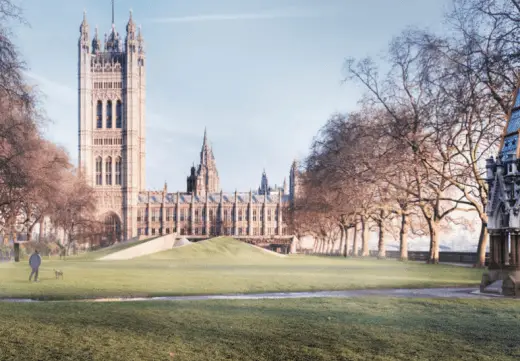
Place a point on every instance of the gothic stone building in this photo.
(112, 124)
(503, 210)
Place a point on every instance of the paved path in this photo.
(457, 293)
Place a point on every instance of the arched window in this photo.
(108, 172)
(99, 169)
(112, 228)
(99, 115)
(109, 114)
(119, 114)
(240, 215)
(118, 171)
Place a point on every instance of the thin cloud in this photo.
(232, 17)
(52, 89)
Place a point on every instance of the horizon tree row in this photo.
(411, 160)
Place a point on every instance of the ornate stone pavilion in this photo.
(112, 125)
(503, 210)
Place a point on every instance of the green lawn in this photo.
(221, 266)
(310, 329)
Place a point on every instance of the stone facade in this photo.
(112, 83)
(503, 210)
(112, 98)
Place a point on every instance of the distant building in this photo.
(112, 127)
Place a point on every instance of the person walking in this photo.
(35, 261)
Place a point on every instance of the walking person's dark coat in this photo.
(35, 261)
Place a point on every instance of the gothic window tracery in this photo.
(99, 168)
(118, 171)
(119, 114)
(99, 114)
(108, 171)
(109, 114)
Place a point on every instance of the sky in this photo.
(262, 75)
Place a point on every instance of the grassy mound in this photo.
(94, 255)
(216, 249)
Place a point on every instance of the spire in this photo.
(139, 33)
(84, 39)
(130, 27)
(264, 184)
(113, 12)
(205, 154)
(96, 45)
(84, 24)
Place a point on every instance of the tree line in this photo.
(411, 159)
(37, 179)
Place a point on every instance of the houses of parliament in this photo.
(112, 133)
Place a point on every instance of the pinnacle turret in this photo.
(130, 29)
(96, 44)
(84, 28)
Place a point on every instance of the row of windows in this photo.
(108, 85)
(229, 231)
(108, 115)
(200, 215)
(108, 141)
(109, 180)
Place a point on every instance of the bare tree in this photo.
(75, 211)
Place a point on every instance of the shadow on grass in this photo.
(318, 329)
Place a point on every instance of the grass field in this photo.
(220, 266)
(381, 329)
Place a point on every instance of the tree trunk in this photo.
(365, 252)
(342, 239)
(345, 249)
(482, 244)
(316, 246)
(40, 235)
(16, 252)
(403, 237)
(30, 232)
(381, 251)
(433, 226)
(355, 242)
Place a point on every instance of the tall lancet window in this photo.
(99, 169)
(119, 114)
(99, 114)
(108, 171)
(118, 171)
(109, 114)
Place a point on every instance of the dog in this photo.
(58, 273)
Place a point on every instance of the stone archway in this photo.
(112, 228)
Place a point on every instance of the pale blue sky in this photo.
(262, 75)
